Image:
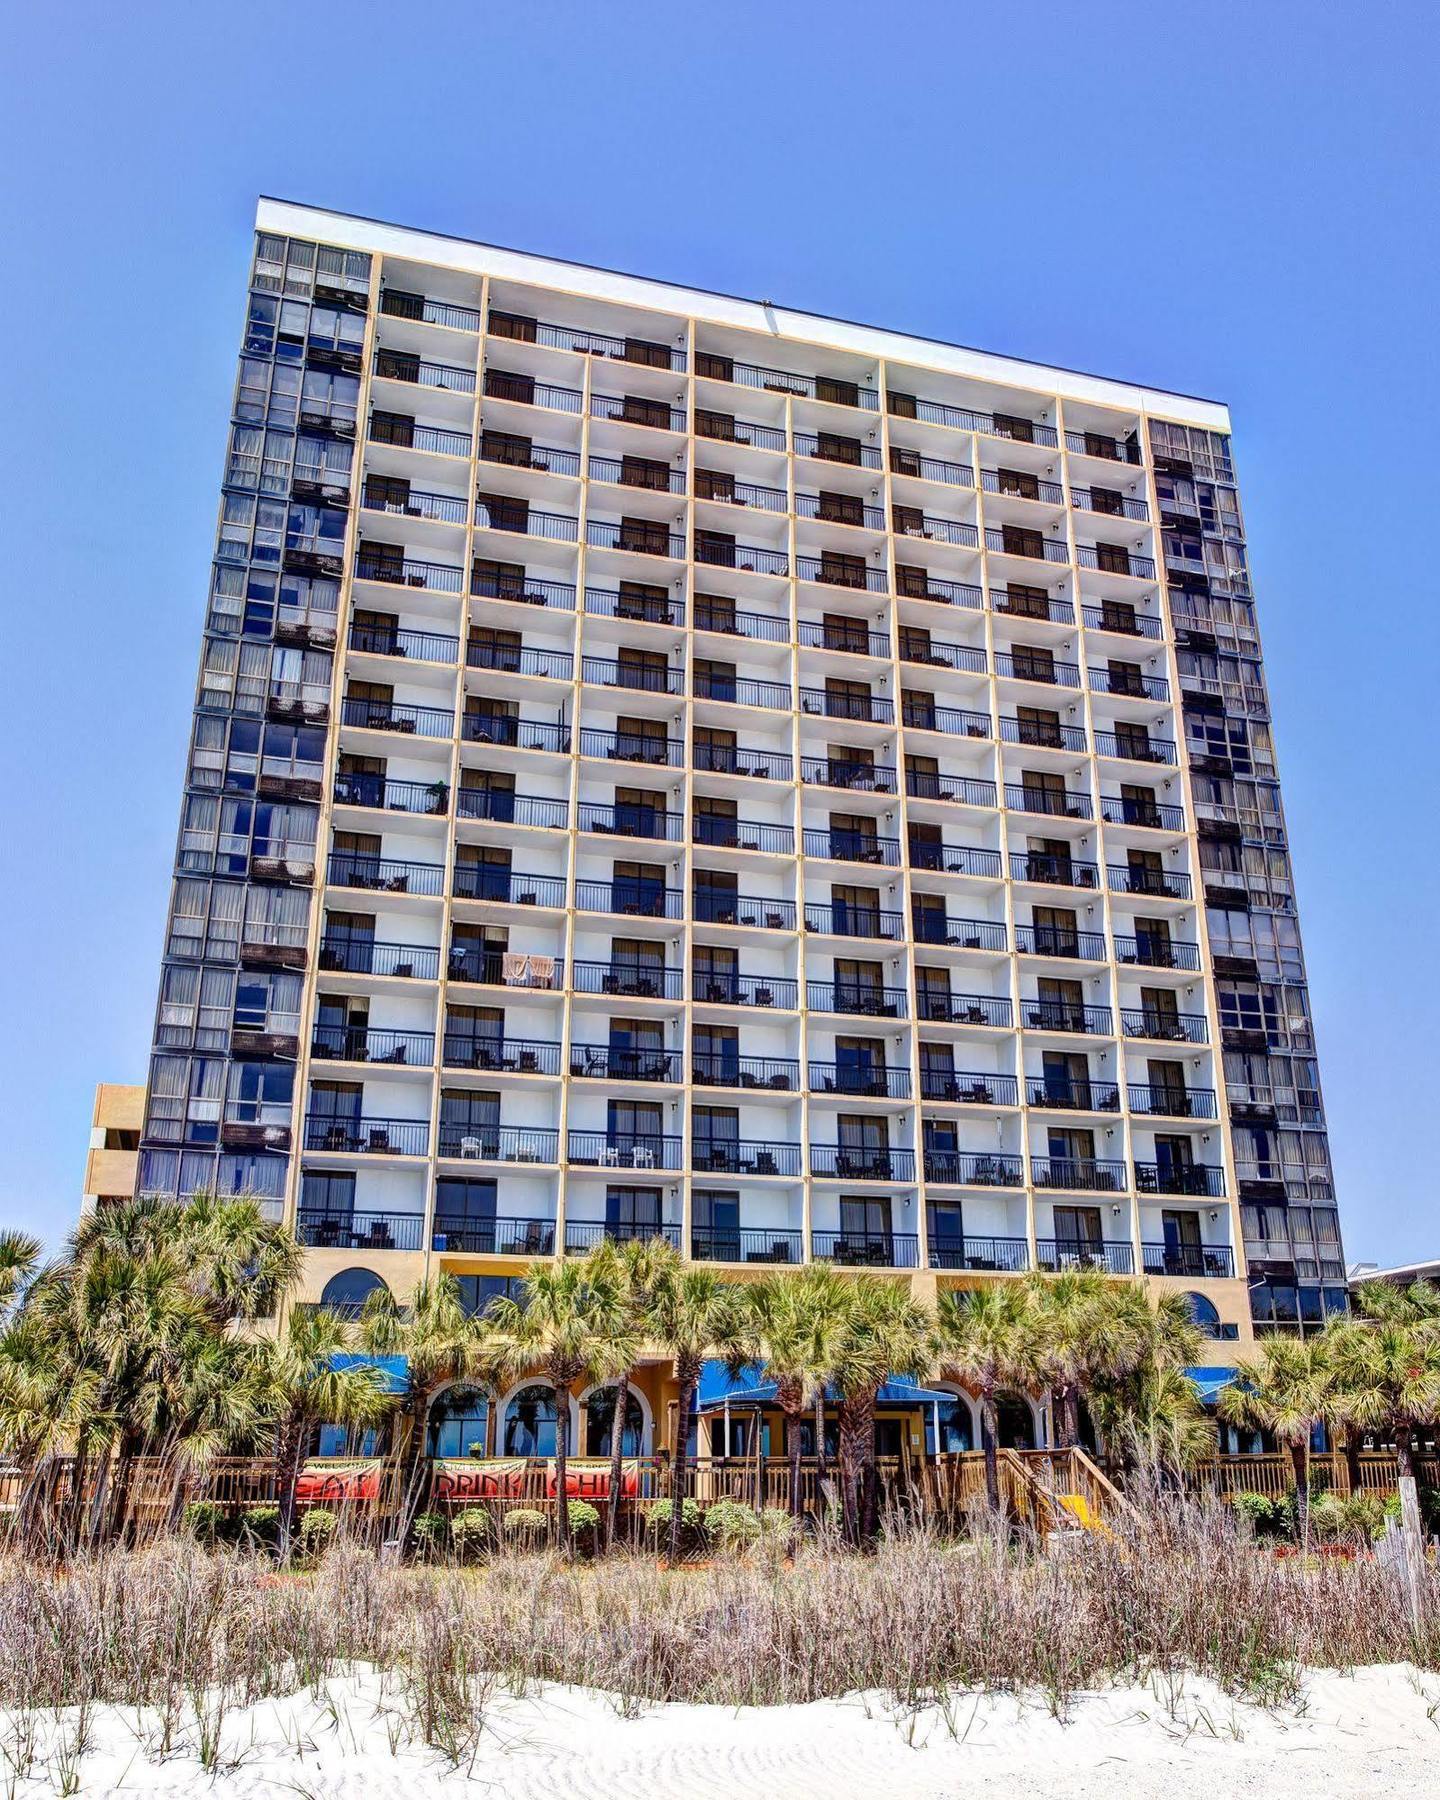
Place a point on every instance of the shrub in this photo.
(524, 1524)
(657, 1517)
(471, 1531)
(1259, 1511)
(731, 1526)
(584, 1521)
(317, 1528)
(429, 1532)
(260, 1525)
(1328, 1517)
(202, 1520)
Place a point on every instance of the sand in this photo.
(1376, 1731)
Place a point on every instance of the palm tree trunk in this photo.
(562, 1455)
(75, 1500)
(990, 1444)
(822, 1464)
(1353, 1473)
(1300, 1463)
(289, 1450)
(792, 1445)
(857, 1463)
(99, 1499)
(412, 1466)
(617, 1457)
(686, 1377)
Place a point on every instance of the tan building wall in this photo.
(114, 1144)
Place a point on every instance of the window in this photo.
(348, 1291)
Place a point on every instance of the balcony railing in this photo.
(1060, 1093)
(1121, 507)
(1055, 803)
(364, 956)
(609, 1062)
(417, 646)
(973, 1168)
(547, 459)
(718, 1068)
(866, 708)
(1155, 815)
(858, 641)
(940, 655)
(507, 659)
(841, 574)
(505, 968)
(524, 390)
(870, 1083)
(1084, 1174)
(720, 908)
(1028, 606)
(743, 1156)
(963, 1009)
(1212, 1262)
(527, 590)
(1042, 669)
(967, 789)
(968, 1087)
(714, 830)
(838, 844)
(833, 512)
(1161, 884)
(1007, 1255)
(707, 684)
(1054, 940)
(462, 1236)
(514, 734)
(630, 820)
(1027, 544)
(410, 571)
(1090, 443)
(500, 1143)
(868, 1249)
(725, 490)
(390, 715)
(1172, 1102)
(445, 509)
(930, 468)
(623, 474)
(1040, 734)
(383, 874)
(405, 434)
(1200, 1180)
(632, 747)
(1133, 687)
(955, 859)
(646, 540)
(501, 1055)
(858, 777)
(919, 714)
(713, 615)
(366, 1136)
(400, 365)
(940, 531)
(1057, 1255)
(428, 797)
(843, 920)
(744, 1244)
(1052, 871)
(398, 304)
(583, 1235)
(913, 583)
(624, 1150)
(630, 899)
(320, 1230)
(833, 390)
(721, 989)
(1060, 1015)
(505, 808)
(859, 456)
(1175, 1028)
(635, 981)
(1142, 568)
(647, 678)
(1124, 620)
(640, 609)
(724, 428)
(860, 998)
(1157, 953)
(361, 1043)
(509, 887)
(1017, 486)
(1134, 748)
(733, 759)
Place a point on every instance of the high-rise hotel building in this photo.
(666, 763)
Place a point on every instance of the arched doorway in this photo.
(527, 1421)
(958, 1431)
(458, 1422)
(347, 1292)
(598, 1412)
(1016, 1422)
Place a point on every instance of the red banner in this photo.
(326, 1484)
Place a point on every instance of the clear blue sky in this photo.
(1236, 200)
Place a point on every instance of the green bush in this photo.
(260, 1525)
(657, 1517)
(429, 1532)
(584, 1520)
(317, 1527)
(471, 1530)
(202, 1520)
(731, 1526)
(1261, 1511)
(1328, 1518)
(524, 1524)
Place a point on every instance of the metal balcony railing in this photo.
(955, 859)
(968, 1087)
(647, 678)
(641, 539)
(510, 887)
(513, 734)
(1032, 606)
(1084, 1174)
(767, 991)
(914, 583)
(1015, 485)
(832, 389)
(745, 1244)
(317, 1229)
(630, 820)
(1134, 747)
(513, 454)
(517, 659)
(870, 1082)
(1060, 1093)
(617, 1063)
(1154, 815)
(721, 487)
(1053, 871)
(623, 474)
(501, 1055)
(923, 785)
(1020, 667)
(751, 559)
(841, 919)
(1175, 1028)
(624, 1150)
(1157, 953)
(868, 1249)
(524, 390)
(837, 573)
(417, 646)
(714, 830)
(1133, 687)
(743, 1156)
(427, 797)
(963, 1009)
(1199, 1180)
(364, 956)
(527, 590)
(1214, 1262)
(405, 434)
(973, 1168)
(461, 1235)
(1058, 803)
(632, 747)
(1040, 734)
(1008, 1255)
(1052, 940)
(503, 968)
(837, 450)
(858, 777)
(711, 684)
(630, 898)
(383, 874)
(864, 708)
(930, 468)
(1028, 544)
(933, 927)
(640, 609)
(409, 571)
(361, 1043)
(1123, 620)
(726, 429)
(1162, 884)
(720, 1068)
(1060, 1015)
(938, 531)
(633, 980)
(921, 714)
(638, 409)
(504, 808)
(1091, 443)
(366, 1136)
(402, 365)
(939, 655)
(861, 999)
(733, 759)
(583, 1235)
(499, 1143)
(835, 512)
(1059, 1255)
(445, 509)
(396, 303)
(1172, 1101)
(1090, 556)
(711, 614)
(391, 715)
(840, 844)
(851, 641)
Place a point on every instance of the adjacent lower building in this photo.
(110, 1163)
(663, 763)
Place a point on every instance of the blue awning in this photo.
(754, 1390)
(1210, 1381)
(392, 1369)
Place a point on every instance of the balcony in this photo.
(1048, 870)
(525, 390)
(504, 808)
(714, 831)
(864, 1082)
(1133, 686)
(459, 1235)
(915, 583)
(971, 1168)
(409, 571)
(320, 1230)
(1172, 1102)
(398, 304)
(967, 790)
(1040, 734)
(712, 908)
(1123, 620)
(940, 655)
(1094, 443)
(1078, 1174)
(744, 1244)
(721, 552)
(364, 956)
(714, 613)
(583, 1235)
(858, 998)
(930, 468)
(725, 429)
(415, 646)
(1063, 1255)
(1060, 1015)
(871, 709)
(389, 715)
(525, 590)
(732, 759)
(1003, 1255)
(718, 1068)
(553, 665)
(443, 509)
(1053, 803)
(631, 821)
(838, 844)
(968, 1087)
(635, 981)
(844, 920)
(1195, 1262)
(960, 934)
(645, 678)
(632, 899)
(964, 1009)
(1120, 506)
(384, 875)
(857, 777)
(638, 409)
(828, 448)
(1157, 953)
(507, 887)
(608, 1062)
(1032, 606)
(366, 1136)
(743, 1156)
(720, 989)
(856, 640)
(721, 486)
(707, 684)
(1057, 1093)
(426, 797)
(1166, 1027)
(404, 365)
(624, 473)
(624, 1150)
(640, 609)
(955, 859)
(1019, 667)
(936, 531)
(506, 968)
(868, 1249)
(520, 453)
(519, 328)
(1007, 541)
(1159, 884)
(839, 509)
(1152, 815)
(501, 1055)
(921, 714)
(405, 434)
(842, 572)
(632, 747)
(1198, 1180)
(500, 1143)
(1051, 940)
(640, 537)
(1112, 560)
(860, 1162)
(831, 389)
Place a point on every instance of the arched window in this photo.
(458, 1417)
(348, 1291)
(1204, 1313)
(957, 1427)
(600, 1419)
(528, 1428)
(1017, 1422)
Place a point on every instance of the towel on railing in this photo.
(542, 971)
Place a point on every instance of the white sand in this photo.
(1372, 1733)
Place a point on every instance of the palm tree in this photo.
(794, 1323)
(1284, 1390)
(439, 1342)
(19, 1259)
(636, 1267)
(986, 1339)
(695, 1314)
(1087, 1329)
(306, 1383)
(572, 1325)
(1149, 1410)
(884, 1332)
